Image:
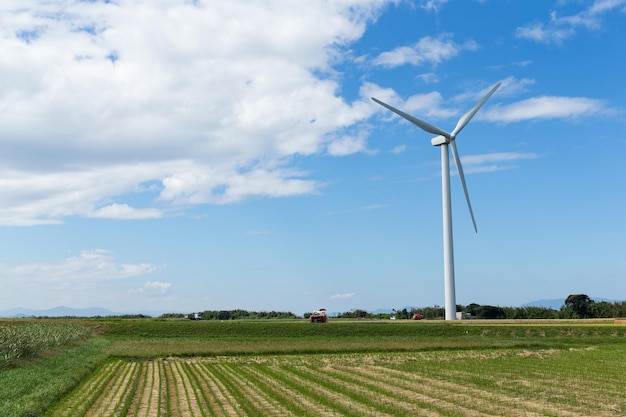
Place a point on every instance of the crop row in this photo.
(247, 330)
(512, 383)
(18, 341)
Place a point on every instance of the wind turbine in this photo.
(443, 140)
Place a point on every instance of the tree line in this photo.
(240, 314)
(576, 306)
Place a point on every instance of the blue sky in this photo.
(186, 156)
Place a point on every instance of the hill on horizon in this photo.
(63, 311)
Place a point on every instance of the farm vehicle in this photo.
(318, 316)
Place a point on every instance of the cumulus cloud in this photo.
(511, 86)
(491, 162)
(347, 145)
(86, 279)
(89, 265)
(153, 289)
(434, 5)
(208, 102)
(125, 212)
(432, 106)
(545, 107)
(559, 28)
(342, 296)
(31, 195)
(428, 78)
(427, 50)
(426, 105)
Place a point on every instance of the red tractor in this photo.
(318, 316)
(417, 316)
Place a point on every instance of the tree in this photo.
(490, 312)
(473, 309)
(360, 314)
(402, 314)
(580, 305)
(603, 309)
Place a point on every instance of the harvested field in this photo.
(468, 383)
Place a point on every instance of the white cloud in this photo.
(89, 266)
(91, 278)
(511, 86)
(203, 186)
(427, 50)
(153, 289)
(545, 107)
(520, 64)
(426, 105)
(342, 296)
(259, 232)
(208, 102)
(434, 5)
(560, 28)
(125, 212)
(32, 197)
(347, 145)
(491, 162)
(428, 78)
(431, 106)
(398, 149)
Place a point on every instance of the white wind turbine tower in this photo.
(443, 140)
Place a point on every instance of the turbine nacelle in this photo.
(439, 140)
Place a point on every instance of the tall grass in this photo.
(35, 386)
(24, 340)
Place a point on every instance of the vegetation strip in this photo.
(256, 402)
(212, 395)
(334, 369)
(28, 339)
(297, 405)
(398, 385)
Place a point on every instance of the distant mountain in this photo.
(62, 312)
(554, 304)
(557, 303)
(384, 311)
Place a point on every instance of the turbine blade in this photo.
(417, 122)
(464, 120)
(459, 168)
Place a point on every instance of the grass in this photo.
(153, 339)
(507, 382)
(32, 386)
(22, 340)
(363, 368)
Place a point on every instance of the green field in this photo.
(155, 367)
